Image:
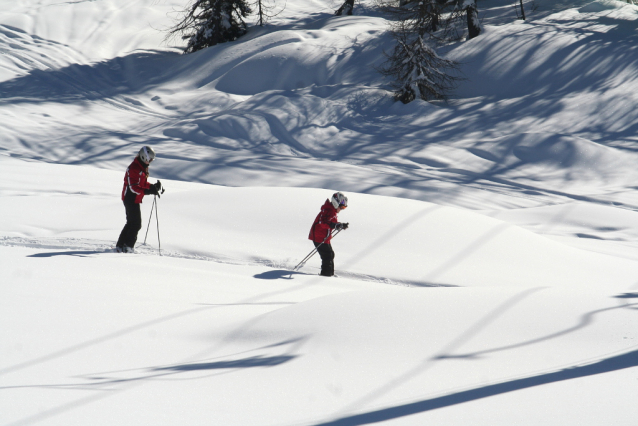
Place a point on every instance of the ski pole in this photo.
(312, 253)
(157, 219)
(149, 221)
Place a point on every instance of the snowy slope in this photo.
(93, 331)
(488, 276)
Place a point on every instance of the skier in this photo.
(135, 187)
(321, 231)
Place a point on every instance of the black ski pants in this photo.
(128, 236)
(327, 259)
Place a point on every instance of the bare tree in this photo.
(438, 18)
(264, 10)
(522, 10)
(416, 16)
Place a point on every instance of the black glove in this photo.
(341, 226)
(155, 189)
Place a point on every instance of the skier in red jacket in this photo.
(135, 187)
(321, 231)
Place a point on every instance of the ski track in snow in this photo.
(88, 247)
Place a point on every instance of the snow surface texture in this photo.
(489, 275)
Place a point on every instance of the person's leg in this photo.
(122, 238)
(327, 259)
(133, 223)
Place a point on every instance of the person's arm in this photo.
(137, 180)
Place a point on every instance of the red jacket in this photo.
(135, 180)
(321, 226)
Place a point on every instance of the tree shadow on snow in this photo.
(256, 361)
(627, 296)
(126, 75)
(607, 365)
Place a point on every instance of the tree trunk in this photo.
(473, 25)
(346, 8)
(522, 10)
(260, 13)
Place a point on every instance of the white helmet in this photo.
(147, 154)
(339, 200)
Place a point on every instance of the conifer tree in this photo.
(418, 72)
(209, 22)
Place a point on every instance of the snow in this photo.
(488, 276)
